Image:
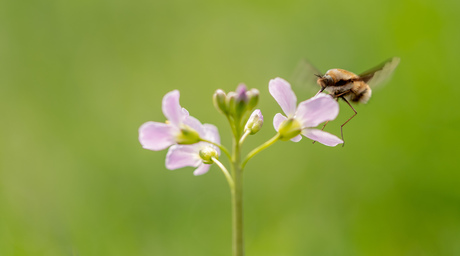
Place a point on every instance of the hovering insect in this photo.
(345, 85)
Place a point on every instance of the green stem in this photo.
(237, 201)
(246, 133)
(232, 124)
(260, 148)
(226, 173)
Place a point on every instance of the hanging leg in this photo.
(341, 127)
(322, 129)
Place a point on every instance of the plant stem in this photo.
(229, 178)
(237, 201)
(260, 148)
(244, 136)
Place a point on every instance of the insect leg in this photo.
(321, 130)
(341, 127)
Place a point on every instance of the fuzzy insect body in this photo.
(345, 85)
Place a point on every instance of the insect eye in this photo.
(328, 80)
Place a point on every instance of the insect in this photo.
(345, 85)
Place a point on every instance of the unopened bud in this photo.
(230, 102)
(255, 122)
(207, 153)
(219, 101)
(289, 128)
(241, 100)
(253, 98)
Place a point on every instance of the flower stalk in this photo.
(237, 201)
(228, 176)
(191, 143)
(255, 151)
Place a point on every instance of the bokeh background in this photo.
(77, 79)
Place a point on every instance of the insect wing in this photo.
(305, 76)
(379, 74)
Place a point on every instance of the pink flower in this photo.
(198, 155)
(307, 114)
(181, 128)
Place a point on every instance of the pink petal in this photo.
(283, 94)
(277, 120)
(183, 155)
(322, 137)
(157, 136)
(172, 109)
(211, 133)
(195, 124)
(202, 169)
(316, 110)
(296, 138)
(185, 113)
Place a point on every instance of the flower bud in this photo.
(207, 153)
(241, 91)
(219, 101)
(253, 96)
(255, 122)
(187, 136)
(241, 100)
(289, 128)
(230, 102)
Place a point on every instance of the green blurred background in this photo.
(77, 79)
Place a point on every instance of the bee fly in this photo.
(345, 85)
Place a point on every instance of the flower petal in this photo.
(277, 120)
(185, 112)
(316, 110)
(183, 155)
(172, 109)
(211, 133)
(202, 169)
(296, 138)
(283, 94)
(322, 137)
(196, 125)
(157, 136)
